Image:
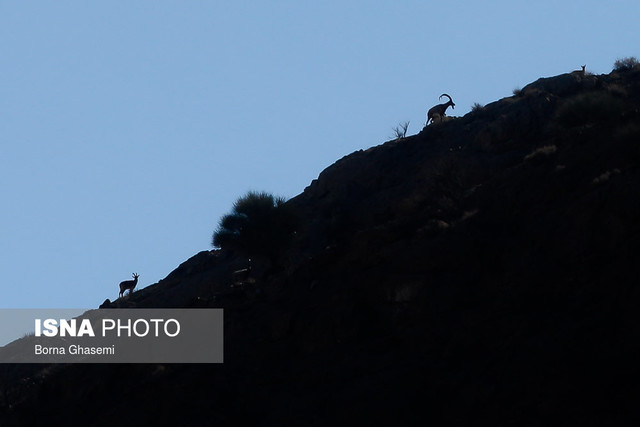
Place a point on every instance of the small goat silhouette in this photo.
(581, 72)
(128, 284)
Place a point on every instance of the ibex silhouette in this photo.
(439, 110)
(128, 284)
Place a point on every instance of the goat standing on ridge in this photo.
(128, 284)
(439, 110)
(581, 72)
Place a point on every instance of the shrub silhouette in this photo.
(626, 64)
(258, 225)
(400, 131)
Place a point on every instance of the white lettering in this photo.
(105, 328)
(156, 322)
(40, 350)
(78, 349)
(128, 327)
(65, 328)
(166, 327)
(141, 327)
(51, 328)
(146, 330)
(86, 328)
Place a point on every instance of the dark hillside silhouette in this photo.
(483, 271)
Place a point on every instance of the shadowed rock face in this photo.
(482, 269)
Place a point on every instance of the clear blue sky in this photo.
(130, 127)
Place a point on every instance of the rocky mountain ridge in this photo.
(483, 269)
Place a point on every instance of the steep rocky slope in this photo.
(483, 269)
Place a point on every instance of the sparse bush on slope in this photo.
(476, 107)
(400, 131)
(258, 225)
(626, 64)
